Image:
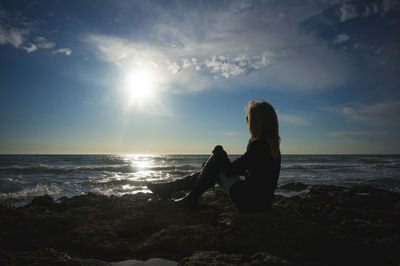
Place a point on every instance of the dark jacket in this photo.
(261, 173)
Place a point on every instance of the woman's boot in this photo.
(164, 190)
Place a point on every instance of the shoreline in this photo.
(328, 225)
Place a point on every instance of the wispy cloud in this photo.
(30, 48)
(361, 136)
(230, 134)
(176, 66)
(41, 42)
(341, 38)
(354, 9)
(360, 28)
(293, 119)
(233, 66)
(16, 31)
(229, 43)
(347, 12)
(12, 35)
(357, 134)
(118, 51)
(65, 51)
(379, 114)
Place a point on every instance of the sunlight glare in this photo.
(139, 86)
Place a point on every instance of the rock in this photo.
(213, 258)
(295, 186)
(44, 201)
(218, 258)
(327, 225)
(47, 256)
(149, 262)
(263, 258)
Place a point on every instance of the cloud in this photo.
(30, 48)
(347, 12)
(355, 9)
(228, 46)
(14, 36)
(233, 66)
(244, 5)
(121, 51)
(341, 38)
(304, 68)
(65, 51)
(371, 26)
(357, 134)
(379, 114)
(18, 32)
(361, 136)
(293, 119)
(176, 67)
(41, 42)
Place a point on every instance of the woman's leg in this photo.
(207, 178)
(164, 190)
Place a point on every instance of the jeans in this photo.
(228, 181)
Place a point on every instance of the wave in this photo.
(109, 182)
(175, 168)
(373, 161)
(349, 165)
(314, 166)
(46, 169)
(122, 168)
(27, 193)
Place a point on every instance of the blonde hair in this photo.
(263, 124)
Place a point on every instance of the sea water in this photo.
(23, 177)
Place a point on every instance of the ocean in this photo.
(23, 177)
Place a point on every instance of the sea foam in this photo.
(29, 193)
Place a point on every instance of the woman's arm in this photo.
(238, 166)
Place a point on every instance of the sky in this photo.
(175, 76)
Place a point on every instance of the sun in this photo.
(139, 86)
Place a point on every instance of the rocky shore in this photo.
(326, 225)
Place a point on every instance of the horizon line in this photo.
(152, 154)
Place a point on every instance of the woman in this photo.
(260, 165)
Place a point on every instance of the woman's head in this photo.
(263, 124)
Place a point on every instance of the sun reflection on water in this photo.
(142, 165)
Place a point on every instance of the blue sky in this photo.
(175, 76)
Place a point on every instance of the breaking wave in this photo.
(29, 193)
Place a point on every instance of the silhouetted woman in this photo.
(251, 179)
